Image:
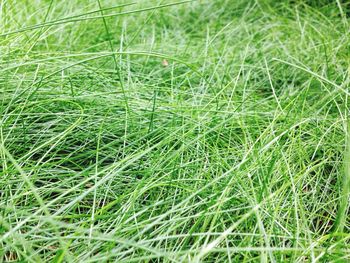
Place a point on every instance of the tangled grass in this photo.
(162, 131)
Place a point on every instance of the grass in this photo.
(164, 131)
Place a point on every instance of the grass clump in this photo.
(162, 131)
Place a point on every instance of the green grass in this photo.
(164, 131)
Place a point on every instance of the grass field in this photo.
(164, 131)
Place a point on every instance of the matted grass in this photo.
(163, 131)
